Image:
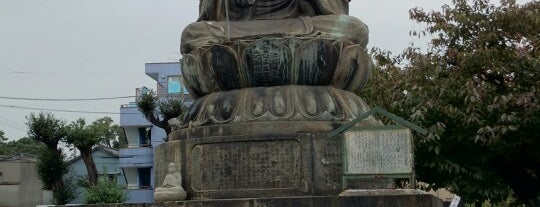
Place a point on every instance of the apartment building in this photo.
(137, 159)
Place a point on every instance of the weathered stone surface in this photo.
(403, 200)
(171, 188)
(276, 62)
(258, 128)
(267, 63)
(316, 61)
(260, 160)
(379, 152)
(248, 166)
(220, 63)
(381, 192)
(163, 155)
(214, 10)
(280, 103)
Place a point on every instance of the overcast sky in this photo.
(98, 48)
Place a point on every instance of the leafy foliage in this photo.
(159, 111)
(105, 191)
(476, 89)
(110, 134)
(45, 128)
(2, 137)
(23, 146)
(66, 193)
(84, 138)
(3, 149)
(51, 166)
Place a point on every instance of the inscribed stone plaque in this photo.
(246, 165)
(374, 152)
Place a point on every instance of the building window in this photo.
(174, 85)
(111, 177)
(144, 177)
(145, 136)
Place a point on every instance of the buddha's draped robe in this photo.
(299, 18)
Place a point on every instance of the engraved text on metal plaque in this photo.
(379, 151)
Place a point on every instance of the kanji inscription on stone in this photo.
(247, 165)
(374, 152)
(266, 63)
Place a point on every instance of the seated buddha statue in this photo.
(171, 190)
(266, 18)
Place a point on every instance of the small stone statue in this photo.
(171, 190)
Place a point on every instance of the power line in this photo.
(65, 99)
(62, 110)
(13, 123)
(12, 126)
(85, 99)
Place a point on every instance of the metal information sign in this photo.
(378, 151)
(373, 152)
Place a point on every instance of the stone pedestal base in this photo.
(259, 160)
(169, 194)
(423, 200)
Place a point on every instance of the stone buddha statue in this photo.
(171, 189)
(264, 18)
(310, 51)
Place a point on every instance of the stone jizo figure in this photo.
(171, 189)
(256, 18)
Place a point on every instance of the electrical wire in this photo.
(83, 99)
(16, 125)
(11, 125)
(62, 110)
(65, 99)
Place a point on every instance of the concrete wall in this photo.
(137, 157)
(140, 196)
(132, 178)
(31, 192)
(21, 185)
(132, 136)
(131, 116)
(158, 134)
(7, 195)
(11, 172)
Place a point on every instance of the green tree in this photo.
(22, 146)
(110, 134)
(105, 191)
(476, 89)
(2, 137)
(84, 138)
(159, 111)
(3, 149)
(45, 128)
(68, 192)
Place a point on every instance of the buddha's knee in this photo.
(196, 35)
(352, 29)
(343, 26)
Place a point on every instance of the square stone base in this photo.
(422, 200)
